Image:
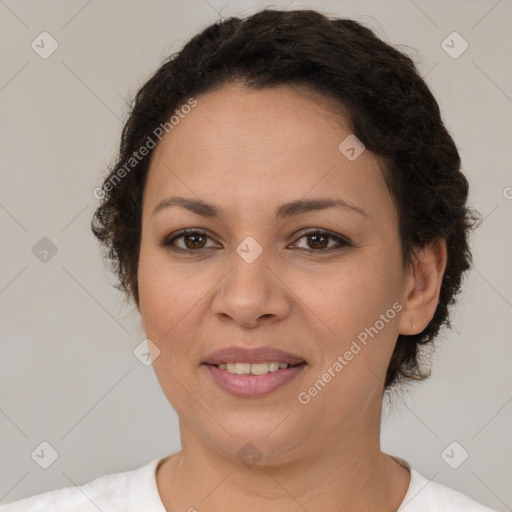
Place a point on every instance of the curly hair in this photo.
(390, 109)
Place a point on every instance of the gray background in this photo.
(69, 375)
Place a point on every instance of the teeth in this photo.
(259, 368)
(242, 368)
(252, 369)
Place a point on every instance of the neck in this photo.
(342, 473)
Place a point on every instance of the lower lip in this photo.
(253, 385)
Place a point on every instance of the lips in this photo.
(257, 383)
(251, 355)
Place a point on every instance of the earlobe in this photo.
(421, 295)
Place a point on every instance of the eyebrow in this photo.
(287, 210)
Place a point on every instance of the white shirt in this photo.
(136, 491)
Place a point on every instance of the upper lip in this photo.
(251, 355)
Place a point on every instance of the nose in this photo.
(251, 294)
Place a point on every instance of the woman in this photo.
(288, 214)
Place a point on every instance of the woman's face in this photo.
(256, 279)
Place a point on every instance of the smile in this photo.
(252, 368)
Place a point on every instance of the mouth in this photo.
(252, 372)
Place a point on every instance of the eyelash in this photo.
(168, 242)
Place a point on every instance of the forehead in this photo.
(253, 147)
(236, 118)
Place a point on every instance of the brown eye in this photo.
(317, 241)
(193, 240)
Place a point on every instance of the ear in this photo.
(423, 284)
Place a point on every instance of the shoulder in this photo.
(427, 496)
(112, 492)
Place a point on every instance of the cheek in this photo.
(355, 349)
(165, 303)
(171, 297)
(351, 295)
(358, 305)
(161, 295)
